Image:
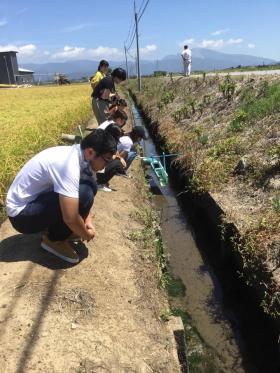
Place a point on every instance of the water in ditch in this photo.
(203, 298)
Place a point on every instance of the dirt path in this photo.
(98, 316)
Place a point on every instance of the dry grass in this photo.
(218, 124)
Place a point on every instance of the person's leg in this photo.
(95, 110)
(99, 108)
(130, 158)
(185, 68)
(113, 168)
(45, 213)
(103, 107)
(38, 214)
(189, 68)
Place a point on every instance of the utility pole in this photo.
(126, 61)
(137, 49)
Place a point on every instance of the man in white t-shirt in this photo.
(54, 192)
(118, 166)
(187, 60)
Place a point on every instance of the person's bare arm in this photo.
(121, 156)
(71, 217)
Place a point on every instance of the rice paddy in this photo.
(33, 119)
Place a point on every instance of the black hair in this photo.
(119, 73)
(118, 114)
(103, 63)
(136, 133)
(186, 47)
(122, 102)
(103, 141)
(117, 102)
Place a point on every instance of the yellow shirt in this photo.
(96, 78)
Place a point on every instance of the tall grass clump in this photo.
(266, 104)
(33, 119)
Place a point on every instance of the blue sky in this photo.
(61, 30)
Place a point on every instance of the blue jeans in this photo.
(130, 157)
(44, 212)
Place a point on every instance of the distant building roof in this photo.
(20, 70)
(8, 52)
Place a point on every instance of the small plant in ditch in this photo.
(238, 122)
(201, 138)
(227, 87)
(182, 113)
(276, 203)
(167, 97)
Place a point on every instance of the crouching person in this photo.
(54, 192)
(122, 160)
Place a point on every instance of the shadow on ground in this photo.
(23, 247)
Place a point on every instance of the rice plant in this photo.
(33, 119)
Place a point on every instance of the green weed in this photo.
(257, 108)
(276, 203)
(227, 87)
(239, 121)
(167, 97)
(182, 113)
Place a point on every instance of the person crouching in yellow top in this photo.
(100, 73)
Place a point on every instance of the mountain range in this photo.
(202, 59)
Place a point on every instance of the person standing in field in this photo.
(100, 73)
(54, 191)
(187, 60)
(104, 92)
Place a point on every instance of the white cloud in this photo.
(46, 53)
(186, 42)
(219, 32)
(234, 41)
(105, 52)
(3, 22)
(212, 44)
(219, 44)
(70, 53)
(77, 27)
(25, 50)
(148, 49)
(251, 46)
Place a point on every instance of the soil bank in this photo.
(101, 315)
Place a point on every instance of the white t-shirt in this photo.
(56, 169)
(125, 144)
(187, 55)
(105, 124)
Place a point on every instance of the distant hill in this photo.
(203, 59)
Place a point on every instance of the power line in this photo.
(130, 29)
(141, 6)
(130, 55)
(132, 40)
(147, 2)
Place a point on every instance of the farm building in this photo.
(10, 73)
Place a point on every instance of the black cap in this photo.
(139, 131)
